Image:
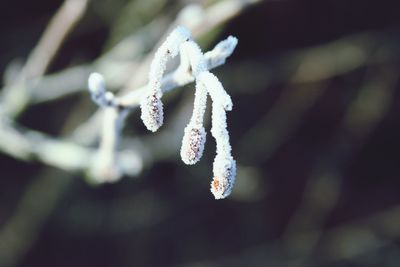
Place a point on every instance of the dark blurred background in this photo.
(314, 129)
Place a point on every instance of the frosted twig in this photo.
(151, 105)
(224, 167)
(194, 66)
(29, 145)
(182, 75)
(193, 141)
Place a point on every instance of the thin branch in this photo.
(63, 22)
(28, 145)
(16, 97)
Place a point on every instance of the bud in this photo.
(193, 144)
(97, 89)
(96, 84)
(152, 112)
(224, 170)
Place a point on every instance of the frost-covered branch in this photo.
(194, 66)
(118, 66)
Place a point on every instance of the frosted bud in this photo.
(97, 89)
(224, 170)
(215, 89)
(193, 144)
(96, 84)
(152, 112)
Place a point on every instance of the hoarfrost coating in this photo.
(194, 66)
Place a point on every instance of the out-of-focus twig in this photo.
(63, 22)
(15, 97)
(19, 233)
(351, 241)
(306, 70)
(31, 145)
(323, 187)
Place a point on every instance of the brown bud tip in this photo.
(224, 176)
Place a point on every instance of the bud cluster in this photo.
(206, 84)
(195, 66)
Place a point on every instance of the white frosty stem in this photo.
(219, 130)
(215, 89)
(180, 76)
(196, 58)
(199, 107)
(221, 51)
(224, 167)
(168, 50)
(151, 105)
(195, 136)
(106, 168)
